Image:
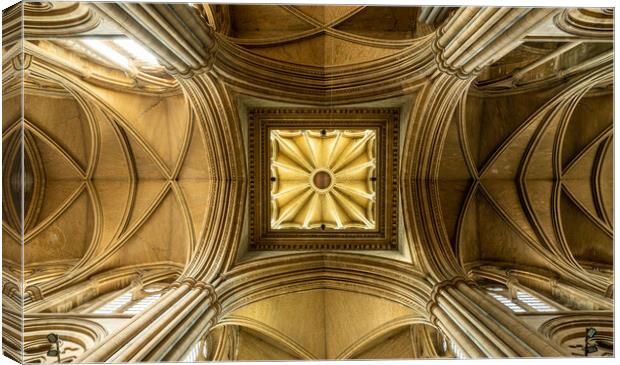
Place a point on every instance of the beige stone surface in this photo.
(146, 181)
(325, 322)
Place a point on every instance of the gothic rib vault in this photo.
(243, 176)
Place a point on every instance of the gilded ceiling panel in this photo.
(323, 178)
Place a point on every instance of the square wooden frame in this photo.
(385, 124)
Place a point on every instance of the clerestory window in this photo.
(126, 304)
(523, 303)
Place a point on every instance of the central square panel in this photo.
(323, 179)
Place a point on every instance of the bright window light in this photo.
(523, 303)
(142, 304)
(114, 305)
(136, 50)
(98, 46)
(537, 304)
(495, 289)
(507, 302)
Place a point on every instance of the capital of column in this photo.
(438, 289)
(474, 37)
(446, 67)
(484, 327)
(34, 292)
(209, 60)
(9, 289)
(193, 283)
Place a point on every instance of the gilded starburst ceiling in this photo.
(463, 146)
(323, 179)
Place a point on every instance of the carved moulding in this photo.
(380, 232)
(568, 330)
(452, 55)
(77, 334)
(58, 55)
(42, 20)
(385, 278)
(587, 22)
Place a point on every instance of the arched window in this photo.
(115, 304)
(534, 303)
(524, 301)
(143, 303)
(131, 301)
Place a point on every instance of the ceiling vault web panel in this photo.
(323, 179)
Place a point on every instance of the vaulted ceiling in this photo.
(502, 172)
(128, 160)
(101, 182)
(500, 159)
(338, 35)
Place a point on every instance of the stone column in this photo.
(165, 331)
(482, 327)
(165, 30)
(475, 37)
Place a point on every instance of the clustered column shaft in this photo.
(165, 331)
(482, 328)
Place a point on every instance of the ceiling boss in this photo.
(323, 179)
